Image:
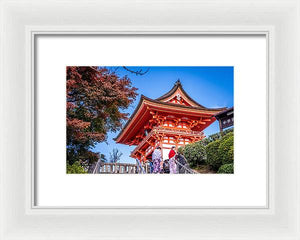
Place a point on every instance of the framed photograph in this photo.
(145, 125)
(150, 120)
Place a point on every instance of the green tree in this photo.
(220, 151)
(214, 151)
(213, 159)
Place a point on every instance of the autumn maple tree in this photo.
(96, 100)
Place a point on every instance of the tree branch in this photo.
(139, 72)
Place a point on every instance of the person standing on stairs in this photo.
(156, 159)
(172, 163)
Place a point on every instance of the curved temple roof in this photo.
(164, 101)
(178, 86)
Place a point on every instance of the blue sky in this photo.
(209, 86)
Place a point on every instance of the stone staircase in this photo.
(129, 168)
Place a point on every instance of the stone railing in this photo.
(120, 168)
(126, 168)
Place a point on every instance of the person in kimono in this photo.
(156, 160)
(172, 163)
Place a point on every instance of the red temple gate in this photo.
(174, 119)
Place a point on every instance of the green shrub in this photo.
(214, 151)
(180, 150)
(231, 154)
(75, 168)
(212, 156)
(226, 150)
(216, 136)
(226, 168)
(227, 135)
(194, 153)
(225, 132)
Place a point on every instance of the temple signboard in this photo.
(225, 118)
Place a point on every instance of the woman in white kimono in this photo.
(156, 159)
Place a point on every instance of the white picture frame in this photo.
(21, 20)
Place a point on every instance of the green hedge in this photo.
(226, 168)
(213, 158)
(215, 151)
(194, 153)
(225, 151)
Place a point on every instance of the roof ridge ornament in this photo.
(178, 82)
